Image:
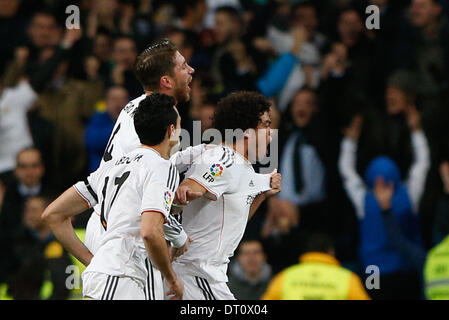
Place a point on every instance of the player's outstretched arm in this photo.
(58, 216)
(152, 233)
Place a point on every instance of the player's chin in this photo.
(187, 94)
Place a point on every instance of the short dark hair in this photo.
(240, 110)
(303, 4)
(154, 62)
(246, 240)
(119, 37)
(183, 6)
(319, 242)
(153, 116)
(230, 11)
(44, 12)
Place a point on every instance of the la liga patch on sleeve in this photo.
(216, 170)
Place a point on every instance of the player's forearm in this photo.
(158, 251)
(64, 232)
(58, 216)
(256, 204)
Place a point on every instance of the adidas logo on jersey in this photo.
(251, 183)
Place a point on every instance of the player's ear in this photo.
(166, 82)
(171, 131)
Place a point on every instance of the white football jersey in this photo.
(216, 222)
(124, 139)
(136, 183)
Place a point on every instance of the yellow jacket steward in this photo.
(318, 276)
(436, 272)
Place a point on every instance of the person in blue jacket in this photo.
(399, 277)
(101, 124)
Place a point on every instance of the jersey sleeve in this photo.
(159, 191)
(184, 159)
(88, 189)
(214, 171)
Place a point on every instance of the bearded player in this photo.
(160, 69)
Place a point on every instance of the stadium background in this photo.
(316, 61)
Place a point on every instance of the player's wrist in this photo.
(171, 278)
(179, 240)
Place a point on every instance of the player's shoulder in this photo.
(223, 155)
(130, 108)
(219, 161)
(153, 162)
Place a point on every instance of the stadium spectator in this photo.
(100, 126)
(43, 33)
(27, 182)
(281, 234)
(101, 50)
(191, 15)
(436, 273)
(183, 41)
(213, 5)
(386, 131)
(396, 272)
(124, 54)
(250, 274)
(318, 276)
(109, 15)
(304, 183)
(232, 65)
(442, 209)
(30, 128)
(67, 102)
(14, 104)
(276, 81)
(351, 57)
(37, 253)
(10, 19)
(283, 36)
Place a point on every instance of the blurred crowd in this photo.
(362, 117)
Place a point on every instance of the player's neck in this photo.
(162, 90)
(163, 149)
(241, 147)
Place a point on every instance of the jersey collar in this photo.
(151, 148)
(319, 257)
(245, 159)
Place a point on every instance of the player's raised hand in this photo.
(275, 183)
(176, 289)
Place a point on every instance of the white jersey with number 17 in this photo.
(139, 182)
